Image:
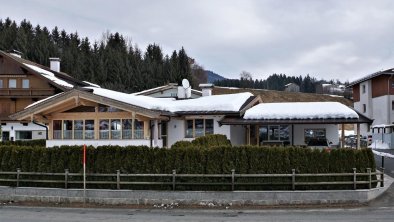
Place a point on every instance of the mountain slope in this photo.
(212, 77)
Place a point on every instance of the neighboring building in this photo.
(331, 89)
(96, 116)
(23, 82)
(373, 96)
(171, 90)
(292, 87)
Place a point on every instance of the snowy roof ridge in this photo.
(49, 75)
(222, 103)
(300, 110)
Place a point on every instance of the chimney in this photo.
(54, 64)
(16, 53)
(206, 89)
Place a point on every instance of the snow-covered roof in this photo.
(224, 103)
(382, 126)
(42, 100)
(92, 84)
(49, 75)
(300, 110)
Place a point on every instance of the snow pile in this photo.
(300, 110)
(379, 144)
(383, 154)
(229, 102)
(49, 75)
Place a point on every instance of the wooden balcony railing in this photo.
(19, 92)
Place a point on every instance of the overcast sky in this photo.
(326, 39)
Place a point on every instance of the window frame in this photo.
(12, 80)
(23, 83)
(193, 129)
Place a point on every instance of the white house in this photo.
(373, 97)
(97, 116)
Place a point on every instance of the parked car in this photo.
(319, 144)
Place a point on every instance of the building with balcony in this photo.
(22, 83)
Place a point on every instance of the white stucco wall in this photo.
(96, 143)
(38, 132)
(238, 134)
(331, 133)
(176, 129)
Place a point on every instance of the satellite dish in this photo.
(185, 83)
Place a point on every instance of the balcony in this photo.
(26, 93)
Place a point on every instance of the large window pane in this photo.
(273, 132)
(67, 129)
(199, 127)
(104, 129)
(89, 129)
(78, 129)
(263, 133)
(115, 129)
(314, 134)
(23, 135)
(12, 83)
(208, 126)
(284, 133)
(57, 129)
(126, 128)
(138, 129)
(189, 129)
(25, 83)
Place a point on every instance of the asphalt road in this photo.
(34, 214)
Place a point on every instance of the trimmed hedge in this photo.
(40, 143)
(204, 141)
(213, 160)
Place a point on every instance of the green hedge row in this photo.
(213, 160)
(204, 141)
(40, 143)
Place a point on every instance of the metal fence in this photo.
(174, 180)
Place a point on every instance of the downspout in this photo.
(389, 108)
(46, 128)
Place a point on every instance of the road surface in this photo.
(35, 214)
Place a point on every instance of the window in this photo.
(363, 88)
(89, 129)
(25, 83)
(57, 129)
(314, 134)
(138, 129)
(12, 83)
(392, 105)
(78, 129)
(1, 83)
(115, 129)
(364, 108)
(273, 133)
(24, 135)
(67, 129)
(198, 127)
(104, 129)
(126, 128)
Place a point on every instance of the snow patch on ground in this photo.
(379, 144)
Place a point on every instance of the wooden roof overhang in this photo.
(75, 97)
(241, 121)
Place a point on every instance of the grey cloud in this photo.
(327, 39)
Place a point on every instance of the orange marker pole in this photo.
(84, 174)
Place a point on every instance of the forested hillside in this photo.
(275, 82)
(114, 62)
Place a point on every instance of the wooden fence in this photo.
(174, 180)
